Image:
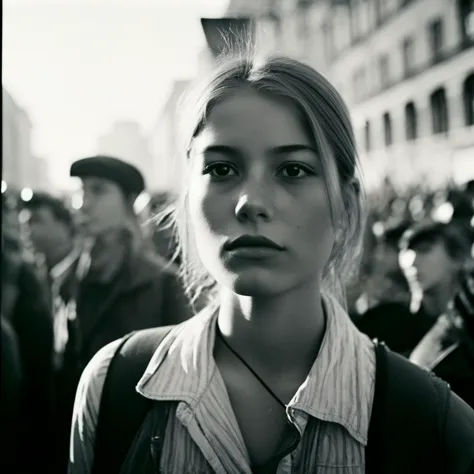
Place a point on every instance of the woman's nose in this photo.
(254, 204)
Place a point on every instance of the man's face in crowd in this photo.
(434, 266)
(47, 232)
(11, 240)
(104, 206)
(386, 258)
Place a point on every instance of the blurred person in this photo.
(384, 283)
(272, 376)
(118, 285)
(448, 348)
(11, 390)
(11, 251)
(440, 252)
(25, 308)
(52, 232)
(389, 283)
(123, 277)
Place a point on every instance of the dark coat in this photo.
(402, 330)
(32, 323)
(10, 395)
(146, 293)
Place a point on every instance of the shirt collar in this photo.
(340, 385)
(338, 389)
(182, 366)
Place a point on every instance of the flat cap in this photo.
(428, 231)
(127, 176)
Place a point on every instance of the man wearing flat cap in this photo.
(423, 332)
(119, 286)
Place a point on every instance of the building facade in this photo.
(405, 68)
(407, 72)
(19, 165)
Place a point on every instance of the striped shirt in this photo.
(331, 409)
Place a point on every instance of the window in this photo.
(411, 122)
(328, 34)
(408, 55)
(364, 8)
(439, 111)
(355, 21)
(435, 29)
(355, 86)
(466, 12)
(359, 15)
(383, 9)
(367, 136)
(342, 30)
(387, 129)
(303, 21)
(468, 99)
(378, 12)
(359, 84)
(384, 71)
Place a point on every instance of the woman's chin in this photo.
(256, 284)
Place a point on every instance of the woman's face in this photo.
(255, 173)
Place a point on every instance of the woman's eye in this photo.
(219, 170)
(295, 171)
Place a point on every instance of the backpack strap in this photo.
(407, 422)
(122, 408)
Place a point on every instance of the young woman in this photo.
(273, 377)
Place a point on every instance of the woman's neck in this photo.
(279, 334)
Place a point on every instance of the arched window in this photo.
(466, 13)
(411, 122)
(367, 136)
(468, 99)
(387, 129)
(439, 111)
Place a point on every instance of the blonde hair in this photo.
(327, 122)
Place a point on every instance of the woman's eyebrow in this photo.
(221, 149)
(283, 149)
(278, 150)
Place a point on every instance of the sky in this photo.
(77, 66)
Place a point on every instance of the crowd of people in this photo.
(259, 355)
(71, 285)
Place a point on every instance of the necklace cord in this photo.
(252, 371)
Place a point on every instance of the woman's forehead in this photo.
(252, 119)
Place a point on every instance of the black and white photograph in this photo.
(237, 237)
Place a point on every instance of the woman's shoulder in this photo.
(86, 409)
(96, 370)
(92, 381)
